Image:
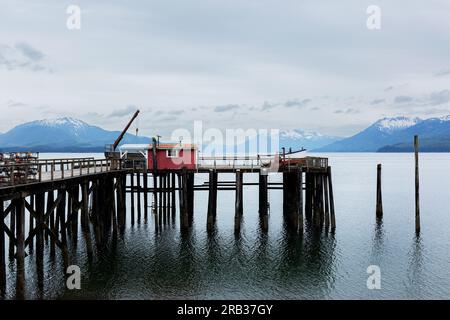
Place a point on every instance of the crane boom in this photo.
(116, 143)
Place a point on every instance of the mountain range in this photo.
(396, 135)
(385, 135)
(61, 135)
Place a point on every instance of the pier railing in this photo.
(235, 162)
(53, 169)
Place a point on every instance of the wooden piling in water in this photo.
(139, 191)
(327, 201)
(51, 220)
(212, 196)
(2, 251)
(40, 207)
(308, 196)
(73, 216)
(20, 254)
(132, 197)
(85, 226)
(12, 227)
(145, 177)
(31, 224)
(300, 198)
(163, 197)
(61, 218)
(416, 166)
(330, 187)
(263, 201)
(379, 207)
(238, 211)
(184, 216)
(291, 199)
(173, 197)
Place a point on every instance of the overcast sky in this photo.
(312, 65)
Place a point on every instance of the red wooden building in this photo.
(168, 156)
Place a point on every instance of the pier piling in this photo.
(379, 208)
(416, 165)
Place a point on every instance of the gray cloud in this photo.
(403, 99)
(297, 103)
(440, 97)
(226, 107)
(267, 106)
(377, 101)
(347, 111)
(29, 52)
(122, 112)
(442, 73)
(15, 104)
(22, 56)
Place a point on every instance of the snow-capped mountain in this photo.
(62, 134)
(297, 139)
(390, 125)
(387, 133)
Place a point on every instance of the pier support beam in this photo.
(40, 207)
(2, 251)
(330, 187)
(263, 201)
(190, 195)
(139, 208)
(173, 197)
(291, 198)
(145, 177)
(416, 166)
(132, 197)
(379, 207)
(239, 209)
(184, 216)
(20, 254)
(212, 199)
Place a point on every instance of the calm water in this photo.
(168, 265)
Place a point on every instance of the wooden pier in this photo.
(45, 208)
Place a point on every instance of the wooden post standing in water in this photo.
(20, 255)
(330, 189)
(379, 209)
(416, 158)
(263, 201)
(145, 176)
(238, 201)
(132, 197)
(2, 251)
